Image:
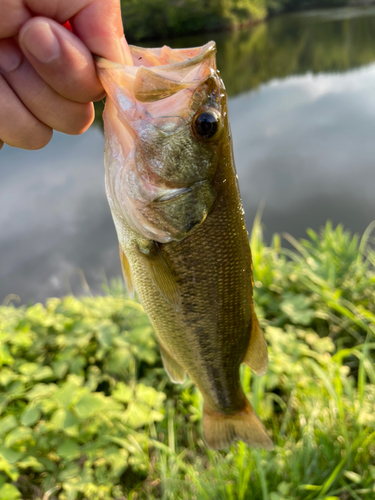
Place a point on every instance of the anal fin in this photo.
(220, 430)
(161, 274)
(126, 271)
(256, 356)
(176, 373)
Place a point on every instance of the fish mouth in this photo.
(157, 74)
(191, 57)
(200, 55)
(171, 194)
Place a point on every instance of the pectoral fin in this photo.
(126, 272)
(176, 373)
(256, 356)
(161, 274)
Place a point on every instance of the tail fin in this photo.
(220, 430)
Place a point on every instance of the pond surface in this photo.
(302, 111)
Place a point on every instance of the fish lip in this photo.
(172, 194)
(206, 51)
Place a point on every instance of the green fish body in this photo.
(173, 192)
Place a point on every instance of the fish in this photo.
(173, 192)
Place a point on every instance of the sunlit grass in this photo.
(319, 408)
(323, 430)
(87, 411)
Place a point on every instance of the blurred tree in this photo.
(163, 18)
(167, 18)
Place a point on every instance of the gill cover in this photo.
(159, 164)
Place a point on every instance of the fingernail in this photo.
(40, 41)
(10, 58)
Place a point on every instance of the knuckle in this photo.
(83, 120)
(38, 140)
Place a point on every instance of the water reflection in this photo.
(295, 45)
(54, 218)
(305, 147)
(329, 40)
(303, 144)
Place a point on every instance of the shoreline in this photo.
(226, 26)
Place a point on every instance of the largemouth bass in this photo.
(172, 189)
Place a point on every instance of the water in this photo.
(302, 110)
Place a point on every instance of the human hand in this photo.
(47, 73)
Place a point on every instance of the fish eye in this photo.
(206, 125)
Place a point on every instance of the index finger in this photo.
(97, 23)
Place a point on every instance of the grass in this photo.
(87, 412)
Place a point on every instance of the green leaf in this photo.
(60, 368)
(118, 459)
(88, 406)
(5, 357)
(19, 435)
(296, 307)
(30, 462)
(137, 415)
(43, 373)
(66, 421)
(309, 487)
(7, 376)
(77, 365)
(7, 423)
(28, 369)
(9, 469)
(31, 415)
(49, 465)
(9, 492)
(275, 496)
(353, 476)
(10, 455)
(40, 391)
(16, 389)
(124, 443)
(71, 471)
(284, 488)
(123, 393)
(335, 474)
(65, 395)
(69, 449)
(149, 395)
(106, 334)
